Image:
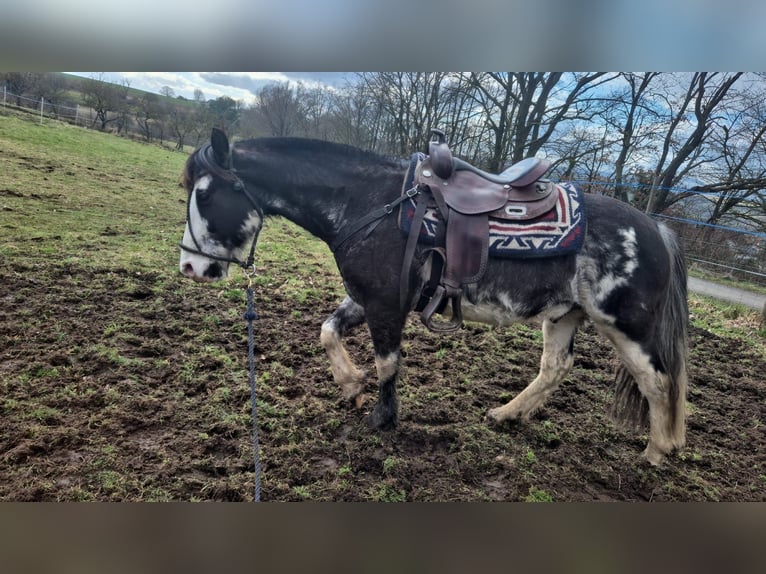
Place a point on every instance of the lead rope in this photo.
(250, 316)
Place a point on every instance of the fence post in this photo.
(5, 89)
(42, 104)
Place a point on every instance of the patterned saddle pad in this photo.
(557, 232)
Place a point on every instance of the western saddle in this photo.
(466, 198)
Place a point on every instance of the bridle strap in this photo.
(373, 217)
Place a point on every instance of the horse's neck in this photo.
(317, 210)
(322, 202)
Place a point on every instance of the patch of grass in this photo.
(73, 180)
(302, 491)
(46, 372)
(110, 481)
(44, 414)
(549, 434)
(9, 405)
(387, 492)
(111, 354)
(728, 320)
(538, 495)
(389, 464)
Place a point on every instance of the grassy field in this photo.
(120, 380)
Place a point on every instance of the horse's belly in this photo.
(505, 312)
(489, 313)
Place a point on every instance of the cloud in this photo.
(252, 81)
(237, 85)
(255, 81)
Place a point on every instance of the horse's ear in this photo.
(220, 144)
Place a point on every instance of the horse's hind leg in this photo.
(666, 416)
(556, 362)
(348, 376)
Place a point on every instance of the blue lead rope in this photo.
(250, 316)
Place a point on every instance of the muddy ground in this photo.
(121, 385)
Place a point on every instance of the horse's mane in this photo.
(201, 160)
(300, 146)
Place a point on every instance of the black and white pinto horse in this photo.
(628, 278)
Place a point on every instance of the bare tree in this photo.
(736, 181)
(52, 87)
(103, 97)
(351, 116)
(276, 111)
(314, 107)
(148, 111)
(690, 117)
(411, 104)
(523, 110)
(20, 83)
(181, 121)
(631, 115)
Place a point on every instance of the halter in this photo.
(205, 156)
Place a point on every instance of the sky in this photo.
(236, 85)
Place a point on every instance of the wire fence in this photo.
(74, 114)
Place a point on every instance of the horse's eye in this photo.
(203, 196)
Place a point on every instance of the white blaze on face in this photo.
(192, 264)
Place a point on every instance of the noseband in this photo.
(205, 157)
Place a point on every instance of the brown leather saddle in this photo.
(467, 198)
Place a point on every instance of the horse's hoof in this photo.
(381, 421)
(359, 400)
(494, 417)
(653, 456)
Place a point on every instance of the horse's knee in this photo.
(329, 333)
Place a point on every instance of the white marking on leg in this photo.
(555, 364)
(654, 385)
(344, 371)
(387, 366)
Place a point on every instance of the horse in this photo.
(628, 277)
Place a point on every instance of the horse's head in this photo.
(222, 217)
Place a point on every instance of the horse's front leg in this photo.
(386, 327)
(556, 362)
(347, 375)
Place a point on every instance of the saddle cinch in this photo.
(466, 198)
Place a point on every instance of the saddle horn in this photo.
(440, 154)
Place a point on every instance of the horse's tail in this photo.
(671, 348)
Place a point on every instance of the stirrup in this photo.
(427, 316)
